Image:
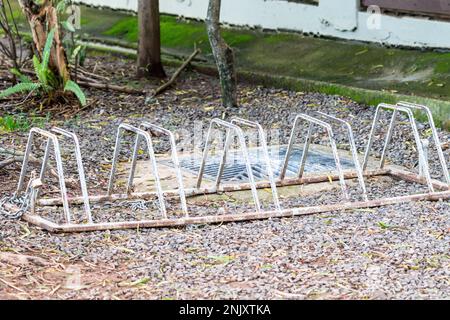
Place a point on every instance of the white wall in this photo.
(335, 18)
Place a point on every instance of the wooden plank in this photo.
(433, 7)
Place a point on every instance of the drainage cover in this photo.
(236, 171)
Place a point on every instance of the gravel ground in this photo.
(393, 252)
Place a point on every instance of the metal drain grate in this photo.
(235, 170)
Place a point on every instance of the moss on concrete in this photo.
(178, 34)
(364, 72)
(439, 108)
(414, 72)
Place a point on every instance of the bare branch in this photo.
(176, 74)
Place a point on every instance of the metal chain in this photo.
(138, 205)
(22, 202)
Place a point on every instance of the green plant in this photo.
(47, 82)
(383, 225)
(21, 122)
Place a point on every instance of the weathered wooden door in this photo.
(429, 7)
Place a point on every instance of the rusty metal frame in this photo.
(442, 194)
(212, 219)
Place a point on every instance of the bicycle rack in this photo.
(353, 149)
(423, 161)
(238, 131)
(146, 136)
(174, 155)
(435, 135)
(313, 121)
(53, 140)
(263, 142)
(437, 190)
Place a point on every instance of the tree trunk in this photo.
(223, 55)
(12, 48)
(43, 18)
(149, 50)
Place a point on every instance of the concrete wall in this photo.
(335, 18)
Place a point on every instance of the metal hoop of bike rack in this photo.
(229, 128)
(313, 122)
(419, 145)
(175, 160)
(148, 140)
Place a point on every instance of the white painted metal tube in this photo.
(263, 142)
(146, 136)
(62, 184)
(353, 150)
(238, 131)
(436, 139)
(81, 173)
(329, 130)
(415, 131)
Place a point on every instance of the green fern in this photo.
(52, 81)
(73, 87)
(23, 78)
(38, 70)
(41, 67)
(61, 6)
(47, 49)
(47, 80)
(21, 87)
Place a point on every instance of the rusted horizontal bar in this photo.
(52, 227)
(204, 191)
(411, 177)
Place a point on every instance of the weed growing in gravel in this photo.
(21, 122)
(383, 225)
(221, 259)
